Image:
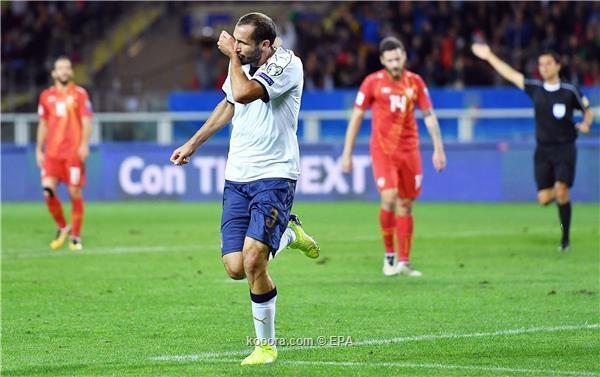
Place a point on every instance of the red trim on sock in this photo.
(404, 231)
(55, 209)
(387, 222)
(76, 216)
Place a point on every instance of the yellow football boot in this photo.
(263, 354)
(61, 237)
(303, 242)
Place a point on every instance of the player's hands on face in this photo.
(83, 152)
(181, 155)
(583, 127)
(226, 44)
(346, 163)
(39, 156)
(481, 50)
(439, 160)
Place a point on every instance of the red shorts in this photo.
(71, 172)
(403, 173)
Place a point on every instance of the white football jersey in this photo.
(263, 139)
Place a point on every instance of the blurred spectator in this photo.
(206, 63)
(437, 36)
(338, 41)
(35, 33)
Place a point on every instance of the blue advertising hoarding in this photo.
(478, 172)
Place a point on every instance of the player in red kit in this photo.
(393, 94)
(63, 137)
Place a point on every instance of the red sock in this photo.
(55, 209)
(404, 230)
(387, 222)
(76, 216)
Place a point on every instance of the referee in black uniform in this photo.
(555, 131)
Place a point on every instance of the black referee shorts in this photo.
(554, 163)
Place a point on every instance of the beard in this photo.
(64, 81)
(252, 58)
(395, 73)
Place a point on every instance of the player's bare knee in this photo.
(235, 272)
(405, 207)
(254, 262)
(545, 197)
(545, 200)
(389, 201)
(562, 193)
(234, 265)
(389, 206)
(74, 192)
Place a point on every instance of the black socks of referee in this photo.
(564, 212)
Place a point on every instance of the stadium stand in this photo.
(337, 42)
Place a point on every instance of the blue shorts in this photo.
(259, 209)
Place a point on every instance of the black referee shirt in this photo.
(554, 106)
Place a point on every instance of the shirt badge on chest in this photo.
(559, 110)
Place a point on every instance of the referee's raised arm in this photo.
(483, 51)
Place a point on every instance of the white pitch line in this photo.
(442, 235)
(546, 372)
(369, 342)
(27, 253)
(43, 253)
(373, 342)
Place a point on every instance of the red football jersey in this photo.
(394, 127)
(64, 110)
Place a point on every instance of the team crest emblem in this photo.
(409, 92)
(274, 70)
(559, 110)
(386, 89)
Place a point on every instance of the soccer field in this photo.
(149, 296)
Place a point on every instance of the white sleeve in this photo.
(280, 76)
(227, 88)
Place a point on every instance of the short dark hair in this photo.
(552, 53)
(390, 43)
(264, 27)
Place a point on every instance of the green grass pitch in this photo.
(149, 296)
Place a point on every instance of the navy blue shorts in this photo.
(259, 209)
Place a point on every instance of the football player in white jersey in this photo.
(263, 91)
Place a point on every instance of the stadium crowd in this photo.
(35, 33)
(338, 45)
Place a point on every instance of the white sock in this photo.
(286, 238)
(264, 321)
